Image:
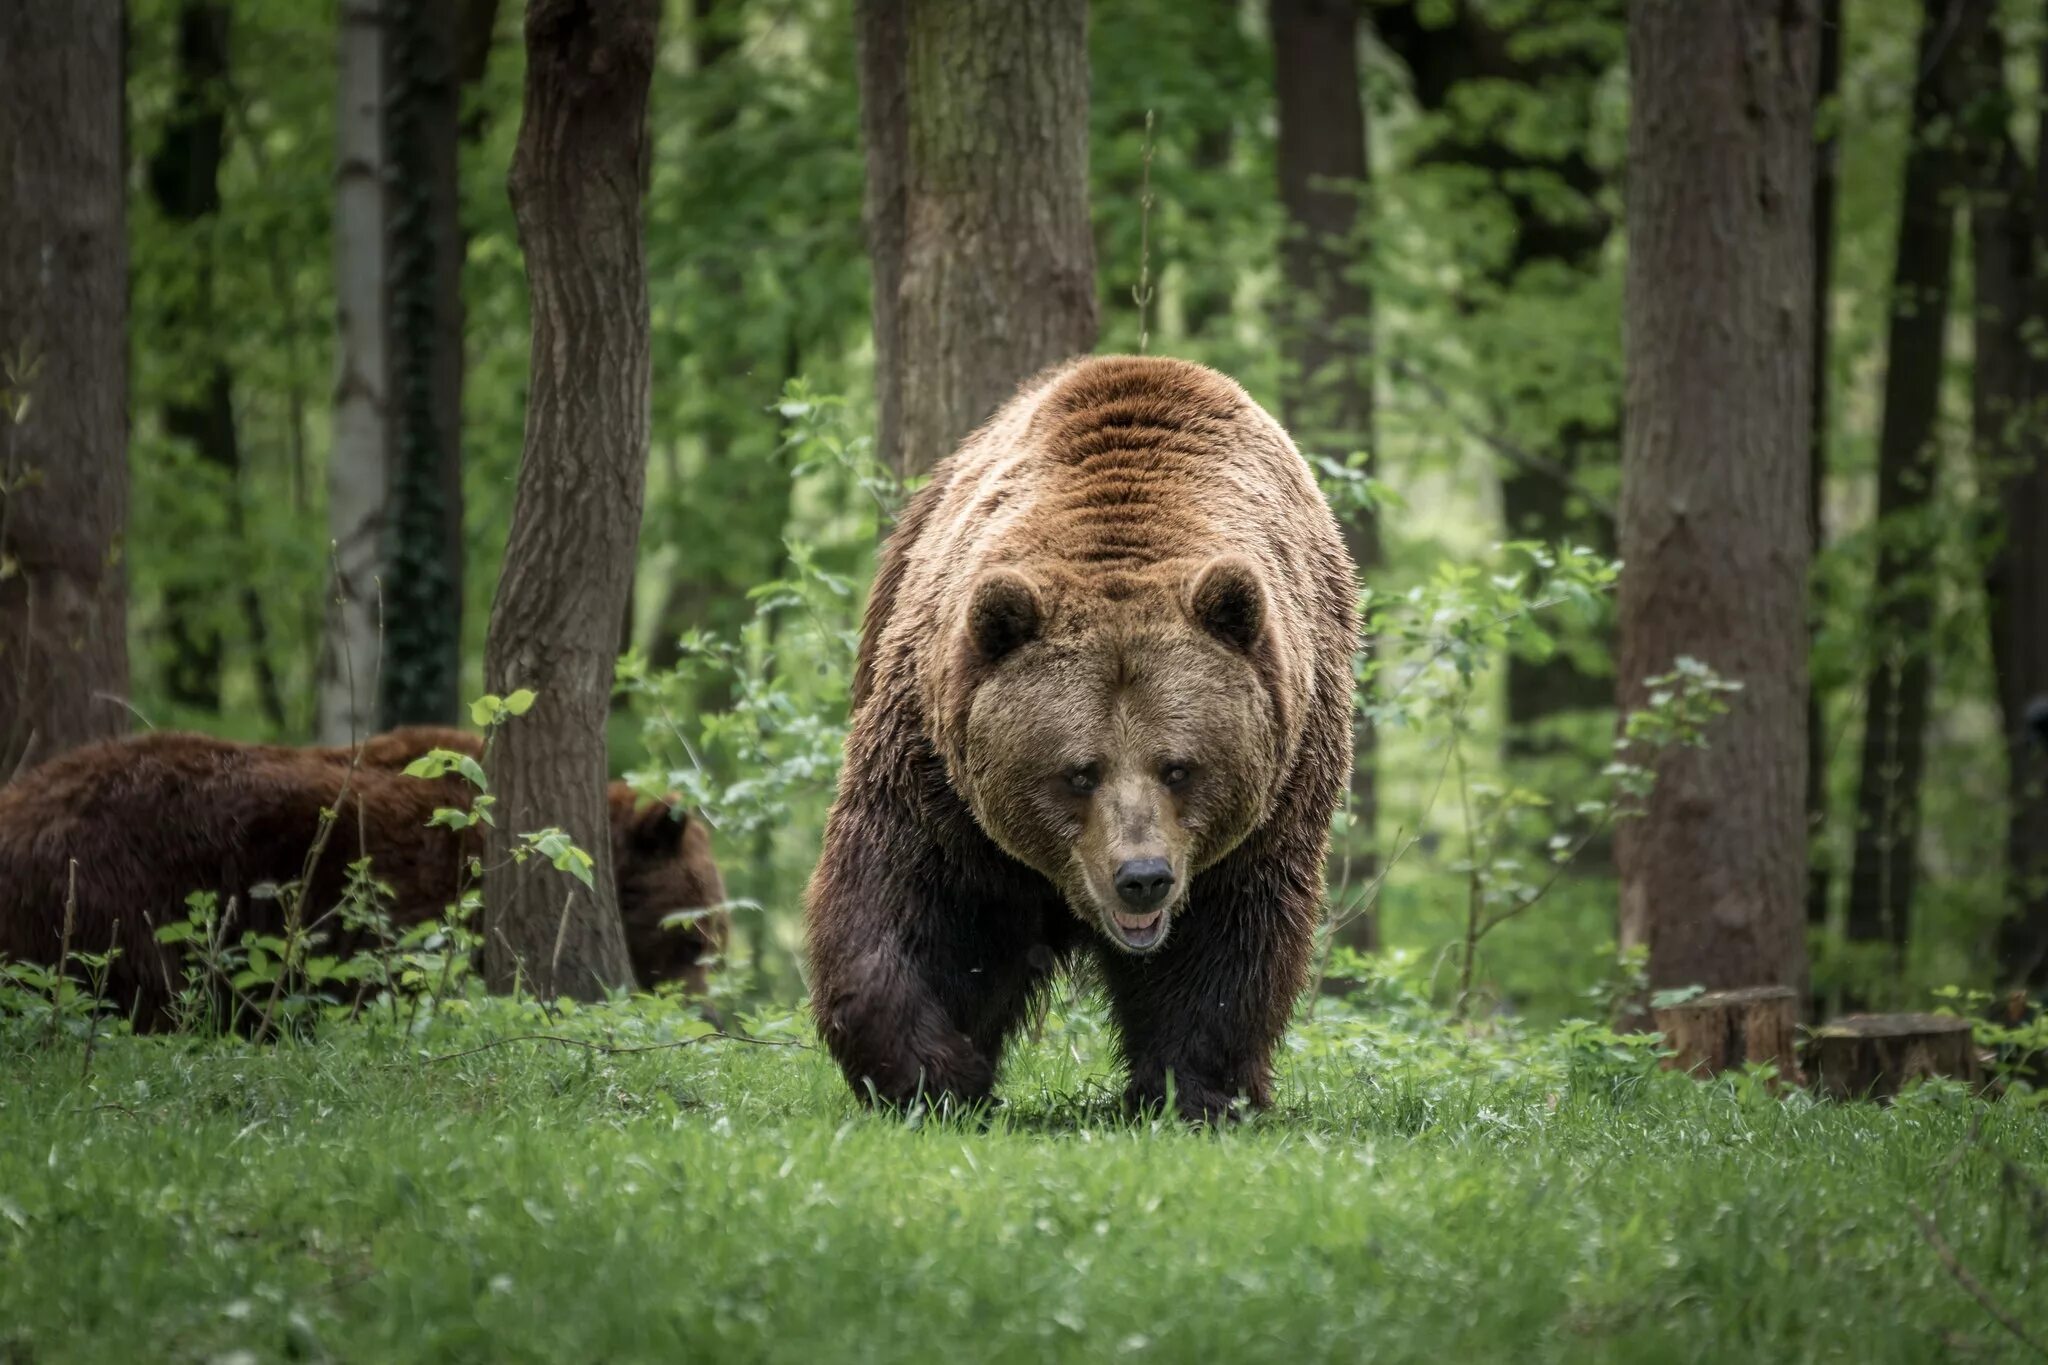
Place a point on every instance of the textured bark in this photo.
(998, 260)
(1727, 1030)
(882, 38)
(1902, 614)
(1713, 523)
(1474, 52)
(64, 349)
(1826, 174)
(1327, 331)
(579, 181)
(1874, 1056)
(422, 549)
(358, 466)
(2008, 380)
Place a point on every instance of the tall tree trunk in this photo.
(1328, 333)
(998, 260)
(422, 549)
(358, 478)
(63, 380)
(882, 40)
(2008, 235)
(1826, 174)
(1713, 522)
(1895, 712)
(579, 183)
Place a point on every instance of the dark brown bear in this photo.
(154, 817)
(1102, 705)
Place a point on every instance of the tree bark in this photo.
(1874, 1056)
(579, 182)
(63, 380)
(1327, 328)
(998, 274)
(1727, 1030)
(358, 466)
(1713, 518)
(2008, 233)
(1895, 712)
(421, 682)
(882, 41)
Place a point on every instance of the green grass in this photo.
(1418, 1194)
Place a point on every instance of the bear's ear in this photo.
(657, 830)
(1004, 614)
(1228, 599)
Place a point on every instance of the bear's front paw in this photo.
(1192, 1101)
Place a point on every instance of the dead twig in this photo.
(1931, 1230)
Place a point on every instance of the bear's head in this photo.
(1120, 734)
(671, 896)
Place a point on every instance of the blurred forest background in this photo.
(1422, 203)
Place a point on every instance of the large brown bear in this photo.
(1102, 704)
(154, 817)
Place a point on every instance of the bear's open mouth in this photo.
(1140, 931)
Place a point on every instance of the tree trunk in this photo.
(1874, 1056)
(63, 380)
(2008, 380)
(1826, 174)
(998, 259)
(1327, 331)
(358, 466)
(882, 37)
(1728, 1030)
(579, 181)
(422, 548)
(1713, 525)
(1895, 712)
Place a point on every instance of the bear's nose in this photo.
(1143, 883)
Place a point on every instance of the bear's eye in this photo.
(1081, 781)
(1174, 774)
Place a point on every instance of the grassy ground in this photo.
(1418, 1195)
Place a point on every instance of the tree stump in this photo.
(1724, 1030)
(1874, 1055)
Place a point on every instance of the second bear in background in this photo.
(152, 818)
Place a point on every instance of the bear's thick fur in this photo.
(1102, 704)
(152, 818)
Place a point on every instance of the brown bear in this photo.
(659, 870)
(154, 817)
(1102, 705)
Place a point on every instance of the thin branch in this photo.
(1931, 1230)
(1535, 462)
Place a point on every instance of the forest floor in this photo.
(1422, 1192)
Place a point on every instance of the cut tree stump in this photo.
(1726, 1030)
(1873, 1056)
